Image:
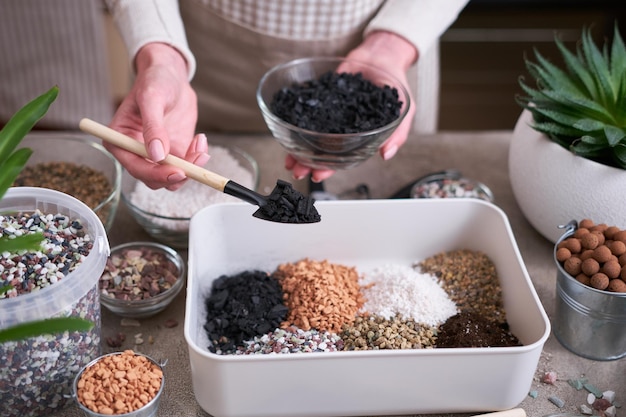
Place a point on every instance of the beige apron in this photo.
(231, 59)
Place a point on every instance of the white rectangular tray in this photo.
(226, 239)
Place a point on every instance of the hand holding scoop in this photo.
(283, 205)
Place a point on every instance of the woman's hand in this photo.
(160, 111)
(389, 52)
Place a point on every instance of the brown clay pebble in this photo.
(586, 254)
(610, 232)
(590, 266)
(602, 254)
(572, 244)
(600, 235)
(563, 254)
(573, 266)
(589, 241)
(623, 273)
(580, 232)
(617, 247)
(621, 236)
(611, 269)
(617, 285)
(586, 223)
(583, 279)
(622, 259)
(599, 281)
(599, 227)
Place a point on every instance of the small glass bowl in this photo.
(450, 184)
(173, 230)
(76, 150)
(148, 410)
(326, 150)
(143, 307)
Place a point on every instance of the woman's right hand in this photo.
(161, 111)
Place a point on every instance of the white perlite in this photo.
(398, 289)
(192, 196)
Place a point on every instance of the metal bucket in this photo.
(588, 322)
(148, 410)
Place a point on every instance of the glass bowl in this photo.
(326, 150)
(165, 215)
(74, 165)
(450, 184)
(141, 279)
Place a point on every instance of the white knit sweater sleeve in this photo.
(144, 21)
(421, 22)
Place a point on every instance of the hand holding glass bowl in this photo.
(316, 149)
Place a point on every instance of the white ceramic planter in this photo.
(553, 186)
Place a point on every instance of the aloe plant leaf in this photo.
(23, 121)
(12, 167)
(556, 129)
(599, 141)
(599, 69)
(614, 135)
(619, 152)
(618, 58)
(42, 327)
(589, 107)
(588, 150)
(589, 125)
(552, 76)
(577, 67)
(29, 242)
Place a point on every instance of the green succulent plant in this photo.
(12, 161)
(583, 106)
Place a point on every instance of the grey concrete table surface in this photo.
(479, 155)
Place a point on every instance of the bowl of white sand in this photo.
(165, 215)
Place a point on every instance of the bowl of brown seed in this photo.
(141, 279)
(57, 163)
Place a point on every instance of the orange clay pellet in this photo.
(617, 247)
(611, 269)
(563, 254)
(119, 384)
(590, 241)
(320, 295)
(617, 285)
(573, 266)
(601, 260)
(602, 254)
(590, 266)
(599, 281)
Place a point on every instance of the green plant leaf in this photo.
(599, 66)
(23, 121)
(552, 76)
(6, 288)
(589, 125)
(557, 129)
(12, 167)
(614, 135)
(577, 68)
(583, 147)
(29, 242)
(619, 152)
(618, 58)
(42, 327)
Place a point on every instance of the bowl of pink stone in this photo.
(141, 279)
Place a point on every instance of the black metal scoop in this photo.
(284, 204)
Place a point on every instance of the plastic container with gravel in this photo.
(37, 372)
